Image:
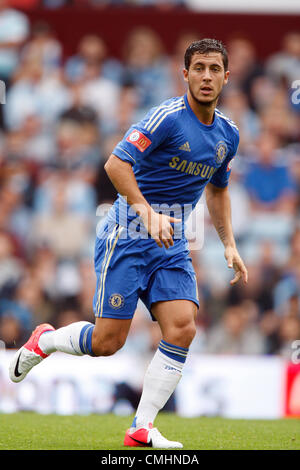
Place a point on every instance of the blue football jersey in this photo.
(174, 155)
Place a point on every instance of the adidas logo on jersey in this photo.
(186, 147)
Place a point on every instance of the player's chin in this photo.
(206, 101)
(208, 98)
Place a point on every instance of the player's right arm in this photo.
(137, 145)
(122, 177)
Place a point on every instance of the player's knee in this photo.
(107, 347)
(182, 335)
(188, 332)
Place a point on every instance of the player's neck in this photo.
(204, 112)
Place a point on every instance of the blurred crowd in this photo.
(61, 119)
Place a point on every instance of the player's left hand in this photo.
(235, 261)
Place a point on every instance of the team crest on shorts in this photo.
(221, 151)
(116, 301)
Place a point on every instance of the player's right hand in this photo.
(160, 228)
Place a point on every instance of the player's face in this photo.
(206, 77)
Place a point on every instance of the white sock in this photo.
(70, 339)
(161, 379)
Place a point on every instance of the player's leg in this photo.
(177, 322)
(115, 301)
(102, 339)
(172, 298)
(109, 335)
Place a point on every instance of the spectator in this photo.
(78, 143)
(284, 66)
(235, 335)
(128, 106)
(278, 119)
(43, 267)
(294, 247)
(263, 91)
(32, 93)
(11, 267)
(32, 141)
(76, 195)
(43, 47)
(67, 316)
(235, 105)
(287, 289)
(106, 192)
(15, 214)
(87, 288)
(14, 30)
(244, 65)
(269, 327)
(12, 333)
(92, 50)
(240, 202)
(145, 66)
(61, 224)
(268, 179)
(30, 296)
(100, 94)
(289, 332)
(295, 170)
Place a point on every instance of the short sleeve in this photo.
(136, 144)
(144, 137)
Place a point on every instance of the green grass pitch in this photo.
(30, 431)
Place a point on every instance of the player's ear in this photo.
(185, 75)
(226, 77)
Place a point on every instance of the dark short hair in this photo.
(204, 46)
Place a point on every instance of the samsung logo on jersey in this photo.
(192, 168)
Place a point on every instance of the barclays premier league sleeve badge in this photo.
(139, 140)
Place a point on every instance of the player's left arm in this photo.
(219, 207)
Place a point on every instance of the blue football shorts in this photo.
(131, 268)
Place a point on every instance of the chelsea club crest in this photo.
(221, 151)
(116, 301)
